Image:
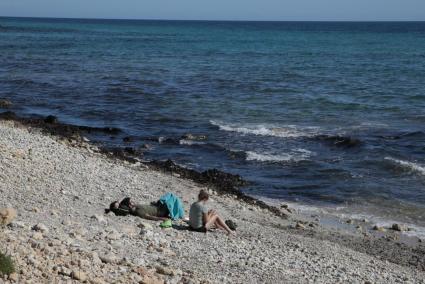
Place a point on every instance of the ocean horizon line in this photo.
(212, 20)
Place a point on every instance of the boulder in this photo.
(399, 227)
(7, 215)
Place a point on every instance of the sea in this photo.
(269, 101)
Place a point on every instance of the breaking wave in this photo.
(408, 165)
(295, 155)
(288, 131)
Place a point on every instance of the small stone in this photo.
(349, 221)
(378, 228)
(165, 271)
(13, 277)
(108, 258)
(78, 275)
(99, 218)
(64, 271)
(97, 280)
(37, 236)
(40, 228)
(7, 215)
(300, 226)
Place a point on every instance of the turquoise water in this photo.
(263, 93)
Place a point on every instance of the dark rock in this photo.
(5, 103)
(128, 139)
(169, 141)
(52, 126)
(8, 115)
(189, 136)
(51, 119)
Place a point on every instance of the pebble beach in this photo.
(61, 234)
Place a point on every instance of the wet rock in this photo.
(169, 141)
(189, 136)
(5, 103)
(51, 119)
(128, 139)
(399, 227)
(7, 215)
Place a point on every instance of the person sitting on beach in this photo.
(201, 219)
(154, 211)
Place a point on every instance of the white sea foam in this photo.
(408, 165)
(288, 131)
(190, 142)
(295, 155)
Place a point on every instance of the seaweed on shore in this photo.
(223, 183)
(51, 125)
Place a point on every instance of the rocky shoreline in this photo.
(59, 184)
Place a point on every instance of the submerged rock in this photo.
(189, 136)
(5, 103)
(51, 119)
(339, 141)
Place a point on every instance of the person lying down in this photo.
(155, 211)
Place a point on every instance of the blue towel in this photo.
(174, 205)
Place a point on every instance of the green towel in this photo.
(166, 224)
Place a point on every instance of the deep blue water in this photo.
(260, 91)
